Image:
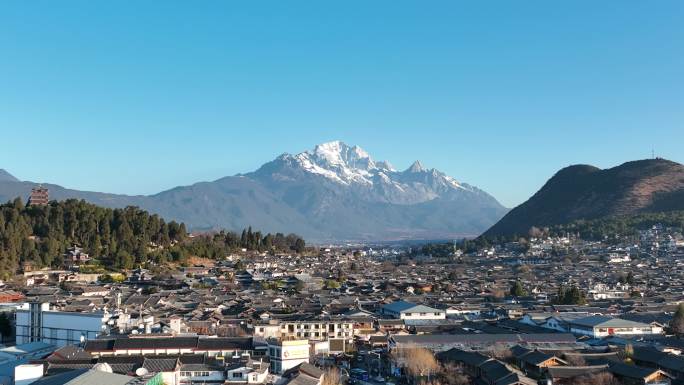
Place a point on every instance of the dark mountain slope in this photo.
(587, 192)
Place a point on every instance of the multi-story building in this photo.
(39, 196)
(338, 332)
(285, 354)
(36, 322)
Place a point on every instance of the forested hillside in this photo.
(115, 238)
(619, 226)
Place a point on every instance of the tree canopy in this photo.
(116, 238)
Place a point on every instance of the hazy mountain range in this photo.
(587, 192)
(334, 192)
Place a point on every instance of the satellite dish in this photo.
(141, 372)
(103, 367)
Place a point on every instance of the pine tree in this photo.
(677, 322)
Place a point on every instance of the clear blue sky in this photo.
(136, 97)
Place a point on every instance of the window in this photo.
(422, 314)
(261, 330)
(408, 314)
(237, 374)
(438, 314)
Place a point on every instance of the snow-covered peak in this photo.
(385, 165)
(355, 169)
(339, 155)
(416, 167)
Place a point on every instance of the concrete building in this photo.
(36, 322)
(286, 354)
(246, 372)
(15, 356)
(338, 332)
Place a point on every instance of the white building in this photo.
(247, 372)
(601, 326)
(14, 357)
(36, 322)
(411, 311)
(286, 355)
(339, 332)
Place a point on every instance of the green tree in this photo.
(517, 289)
(572, 296)
(299, 245)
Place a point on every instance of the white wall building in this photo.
(251, 372)
(601, 326)
(286, 355)
(36, 322)
(411, 311)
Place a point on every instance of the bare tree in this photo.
(331, 376)
(602, 378)
(575, 360)
(453, 374)
(535, 232)
(677, 322)
(419, 362)
(501, 352)
(626, 353)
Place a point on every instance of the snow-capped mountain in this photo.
(354, 169)
(333, 192)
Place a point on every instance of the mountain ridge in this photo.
(587, 192)
(6, 176)
(333, 192)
